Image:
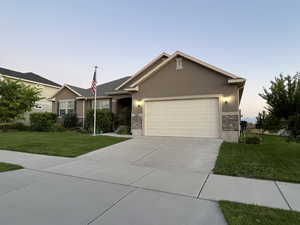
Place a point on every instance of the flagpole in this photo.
(95, 104)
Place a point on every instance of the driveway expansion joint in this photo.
(202, 186)
(113, 205)
(284, 198)
(114, 183)
(142, 177)
(146, 155)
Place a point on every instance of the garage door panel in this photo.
(190, 118)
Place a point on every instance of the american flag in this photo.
(94, 83)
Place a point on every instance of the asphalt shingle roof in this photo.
(102, 89)
(82, 91)
(27, 76)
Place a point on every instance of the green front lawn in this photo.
(7, 166)
(67, 144)
(274, 159)
(243, 214)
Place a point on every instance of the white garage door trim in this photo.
(195, 97)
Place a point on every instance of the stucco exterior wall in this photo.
(145, 71)
(192, 80)
(63, 94)
(46, 91)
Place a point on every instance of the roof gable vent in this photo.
(179, 63)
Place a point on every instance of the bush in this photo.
(123, 130)
(252, 140)
(124, 116)
(21, 126)
(104, 120)
(294, 125)
(57, 128)
(70, 120)
(14, 126)
(42, 121)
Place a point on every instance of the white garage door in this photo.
(185, 118)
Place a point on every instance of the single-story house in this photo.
(173, 95)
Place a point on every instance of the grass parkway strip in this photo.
(7, 167)
(66, 144)
(273, 159)
(244, 214)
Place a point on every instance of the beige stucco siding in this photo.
(145, 71)
(63, 94)
(193, 79)
(46, 91)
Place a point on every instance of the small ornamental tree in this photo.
(15, 99)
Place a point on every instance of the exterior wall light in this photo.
(226, 99)
(139, 103)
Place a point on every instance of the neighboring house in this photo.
(173, 95)
(48, 88)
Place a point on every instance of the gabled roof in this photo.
(102, 90)
(181, 54)
(27, 76)
(144, 68)
(81, 91)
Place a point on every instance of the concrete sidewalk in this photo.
(29, 197)
(160, 164)
(148, 180)
(191, 184)
(268, 193)
(32, 161)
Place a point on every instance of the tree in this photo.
(15, 99)
(283, 97)
(261, 121)
(243, 124)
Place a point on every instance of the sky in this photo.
(63, 40)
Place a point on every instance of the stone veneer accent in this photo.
(136, 121)
(230, 122)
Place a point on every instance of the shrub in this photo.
(42, 121)
(294, 125)
(57, 127)
(123, 130)
(124, 116)
(252, 140)
(21, 126)
(104, 120)
(70, 120)
(14, 126)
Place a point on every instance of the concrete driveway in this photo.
(175, 165)
(143, 181)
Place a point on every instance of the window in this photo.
(66, 106)
(102, 104)
(179, 64)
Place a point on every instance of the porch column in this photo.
(114, 106)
